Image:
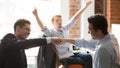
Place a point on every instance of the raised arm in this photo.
(80, 11)
(73, 20)
(35, 13)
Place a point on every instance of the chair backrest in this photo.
(46, 56)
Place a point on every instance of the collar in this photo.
(104, 39)
(61, 30)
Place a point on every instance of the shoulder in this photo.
(8, 35)
(108, 46)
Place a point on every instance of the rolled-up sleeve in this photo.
(47, 32)
(69, 25)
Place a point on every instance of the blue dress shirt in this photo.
(64, 50)
(105, 54)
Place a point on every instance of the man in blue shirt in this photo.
(105, 45)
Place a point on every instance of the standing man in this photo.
(105, 45)
(12, 46)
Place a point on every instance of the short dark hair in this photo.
(21, 23)
(99, 22)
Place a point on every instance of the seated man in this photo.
(60, 31)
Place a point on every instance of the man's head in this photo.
(57, 21)
(22, 29)
(97, 26)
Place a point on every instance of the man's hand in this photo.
(57, 41)
(88, 3)
(62, 41)
(35, 12)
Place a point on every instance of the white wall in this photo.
(11, 10)
(84, 23)
(64, 8)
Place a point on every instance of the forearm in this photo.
(29, 43)
(40, 23)
(80, 11)
(77, 15)
(61, 40)
(72, 41)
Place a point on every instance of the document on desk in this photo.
(115, 29)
